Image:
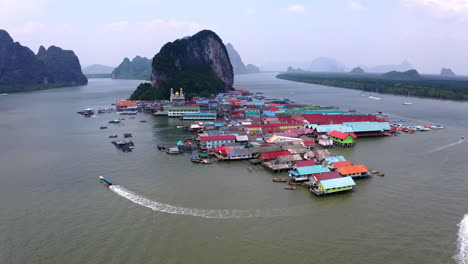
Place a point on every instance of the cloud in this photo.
(29, 27)
(356, 6)
(153, 26)
(297, 9)
(33, 27)
(451, 8)
(250, 11)
(118, 26)
(159, 25)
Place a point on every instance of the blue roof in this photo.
(329, 128)
(199, 114)
(334, 159)
(368, 126)
(307, 170)
(337, 183)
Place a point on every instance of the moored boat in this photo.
(289, 187)
(280, 179)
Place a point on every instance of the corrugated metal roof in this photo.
(341, 164)
(329, 128)
(312, 170)
(337, 183)
(326, 176)
(368, 126)
(305, 163)
(353, 169)
(340, 135)
(334, 159)
(221, 137)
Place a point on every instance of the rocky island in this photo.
(237, 64)
(138, 68)
(447, 72)
(21, 70)
(200, 64)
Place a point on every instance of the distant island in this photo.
(98, 71)
(21, 70)
(237, 63)
(403, 83)
(199, 64)
(447, 72)
(357, 70)
(324, 64)
(139, 68)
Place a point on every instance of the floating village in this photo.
(293, 140)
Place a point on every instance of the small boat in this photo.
(87, 112)
(374, 97)
(113, 136)
(173, 150)
(4, 94)
(103, 127)
(437, 127)
(123, 145)
(378, 173)
(407, 103)
(105, 181)
(127, 135)
(289, 187)
(114, 122)
(161, 147)
(280, 179)
(180, 126)
(142, 121)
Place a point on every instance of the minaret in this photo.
(171, 94)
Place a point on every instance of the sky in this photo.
(430, 34)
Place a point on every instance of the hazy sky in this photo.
(430, 34)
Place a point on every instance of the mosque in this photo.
(178, 96)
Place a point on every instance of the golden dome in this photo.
(177, 94)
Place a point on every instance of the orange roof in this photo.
(123, 103)
(341, 164)
(353, 169)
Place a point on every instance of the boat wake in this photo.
(204, 213)
(447, 146)
(462, 241)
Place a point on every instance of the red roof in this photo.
(340, 135)
(243, 91)
(125, 103)
(341, 164)
(221, 137)
(326, 176)
(309, 142)
(353, 169)
(272, 155)
(305, 163)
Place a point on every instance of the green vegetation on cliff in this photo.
(423, 86)
(139, 69)
(21, 70)
(146, 92)
(200, 64)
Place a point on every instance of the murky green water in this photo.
(53, 209)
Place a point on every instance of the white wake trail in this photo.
(462, 241)
(447, 146)
(205, 213)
